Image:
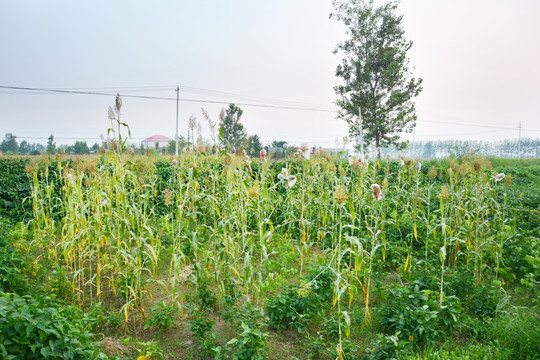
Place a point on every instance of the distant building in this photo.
(156, 141)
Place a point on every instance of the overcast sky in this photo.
(479, 59)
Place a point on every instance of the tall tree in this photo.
(81, 148)
(279, 148)
(254, 145)
(25, 148)
(10, 144)
(51, 145)
(231, 130)
(375, 70)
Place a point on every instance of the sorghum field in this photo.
(221, 257)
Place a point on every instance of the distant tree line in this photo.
(251, 145)
(10, 146)
(509, 148)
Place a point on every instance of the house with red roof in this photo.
(156, 141)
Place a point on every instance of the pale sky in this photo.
(479, 59)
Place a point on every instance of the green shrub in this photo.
(36, 328)
(387, 347)
(416, 315)
(14, 188)
(298, 304)
(12, 278)
(250, 342)
(163, 316)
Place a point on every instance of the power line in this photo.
(247, 97)
(196, 90)
(163, 98)
(215, 93)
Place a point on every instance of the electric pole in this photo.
(176, 137)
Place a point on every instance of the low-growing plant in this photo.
(518, 332)
(12, 264)
(247, 322)
(298, 304)
(162, 316)
(250, 344)
(38, 328)
(473, 351)
(293, 308)
(206, 297)
(416, 314)
(201, 328)
(201, 325)
(386, 347)
(146, 350)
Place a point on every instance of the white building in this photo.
(156, 141)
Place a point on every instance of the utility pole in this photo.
(519, 141)
(177, 101)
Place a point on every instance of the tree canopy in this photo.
(254, 145)
(231, 130)
(375, 71)
(81, 148)
(10, 144)
(51, 145)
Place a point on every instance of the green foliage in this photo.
(250, 342)
(231, 130)
(376, 72)
(471, 351)
(254, 146)
(518, 333)
(522, 197)
(201, 325)
(387, 347)
(246, 322)
(207, 299)
(162, 316)
(51, 145)
(148, 349)
(522, 256)
(14, 188)
(36, 328)
(416, 315)
(480, 299)
(323, 347)
(197, 229)
(12, 263)
(298, 304)
(9, 144)
(81, 148)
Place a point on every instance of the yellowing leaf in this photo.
(126, 313)
(347, 323)
(407, 262)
